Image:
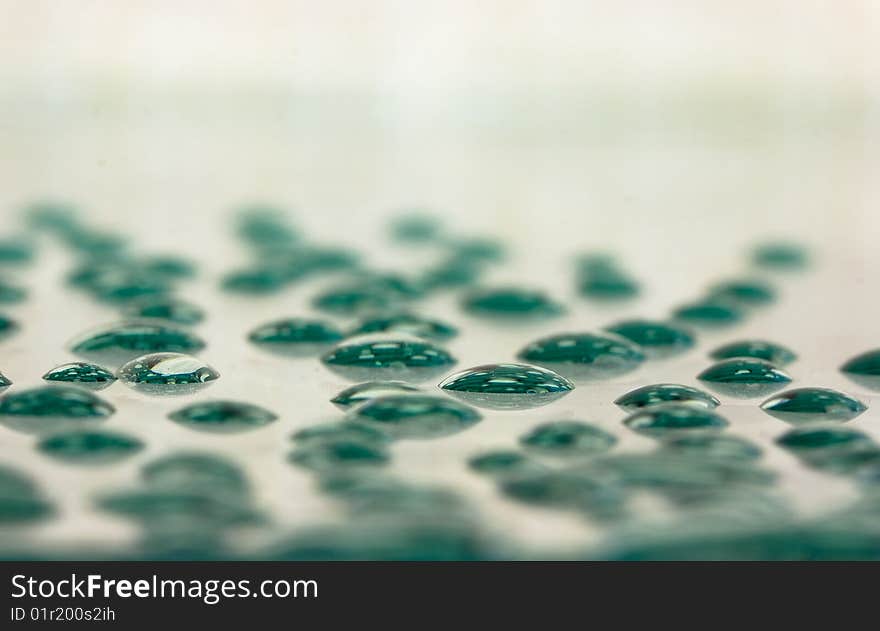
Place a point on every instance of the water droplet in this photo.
(451, 273)
(8, 327)
(415, 228)
(90, 446)
(257, 279)
(600, 278)
(507, 386)
(20, 500)
(4, 382)
(568, 438)
(409, 324)
(340, 453)
(592, 492)
(198, 472)
(747, 293)
(511, 304)
(744, 377)
(353, 299)
(708, 313)
(296, 337)
(415, 416)
(82, 374)
(331, 432)
(363, 392)
(167, 308)
(584, 355)
(714, 446)
(505, 463)
(167, 373)
(223, 417)
(672, 418)
(397, 357)
(11, 294)
(124, 341)
(805, 405)
(655, 339)
(660, 393)
(15, 251)
(264, 226)
(758, 349)
(176, 511)
(168, 266)
(780, 255)
(864, 369)
(822, 437)
(49, 407)
(119, 284)
(476, 249)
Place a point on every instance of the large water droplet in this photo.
(296, 337)
(758, 349)
(415, 416)
(82, 374)
(864, 369)
(223, 417)
(507, 386)
(406, 323)
(708, 313)
(90, 446)
(363, 392)
(124, 341)
(821, 437)
(393, 358)
(714, 446)
(167, 308)
(511, 303)
(584, 355)
(568, 438)
(655, 339)
(805, 405)
(49, 407)
(671, 418)
(744, 377)
(20, 500)
(167, 373)
(339, 454)
(660, 393)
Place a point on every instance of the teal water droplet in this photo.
(11, 294)
(176, 511)
(747, 293)
(672, 418)
(331, 432)
(864, 369)
(80, 373)
(49, 407)
(806, 405)
(167, 373)
(363, 392)
(20, 500)
(353, 300)
(744, 377)
(657, 394)
(8, 327)
(595, 493)
(5, 382)
(655, 339)
(714, 446)
(415, 228)
(505, 463)
(123, 285)
(507, 386)
(168, 266)
(223, 417)
(600, 278)
(124, 341)
(813, 438)
(568, 438)
(409, 324)
(339, 454)
(780, 256)
(15, 251)
(758, 349)
(167, 308)
(90, 446)
(584, 355)
(511, 303)
(196, 472)
(709, 313)
(394, 358)
(296, 337)
(451, 273)
(415, 416)
(476, 249)
(263, 226)
(255, 280)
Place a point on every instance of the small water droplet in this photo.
(198, 472)
(864, 369)
(393, 357)
(584, 355)
(709, 313)
(507, 386)
(363, 392)
(20, 499)
(90, 446)
(330, 432)
(167, 308)
(263, 226)
(600, 278)
(353, 299)
(714, 446)
(296, 337)
(50, 407)
(821, 437)
(511, 303)
(16, 250)
(476, 249)
(451, 273)
(568, 438)
(168, 266)
(255, 280)
(780, 256)
(415, 416)
(415, 228)
(8, 327)
(505, 463)
(744, 377)
(660, 393)
(758, 349)
(407, 323)
(121, 342)
(655, 339)
(167, 373)
(746, 293)
(593, 492)
(339, 453)
(11, 294)
(805, 405)
(672, 418)
(80, 373)
(223, 417)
